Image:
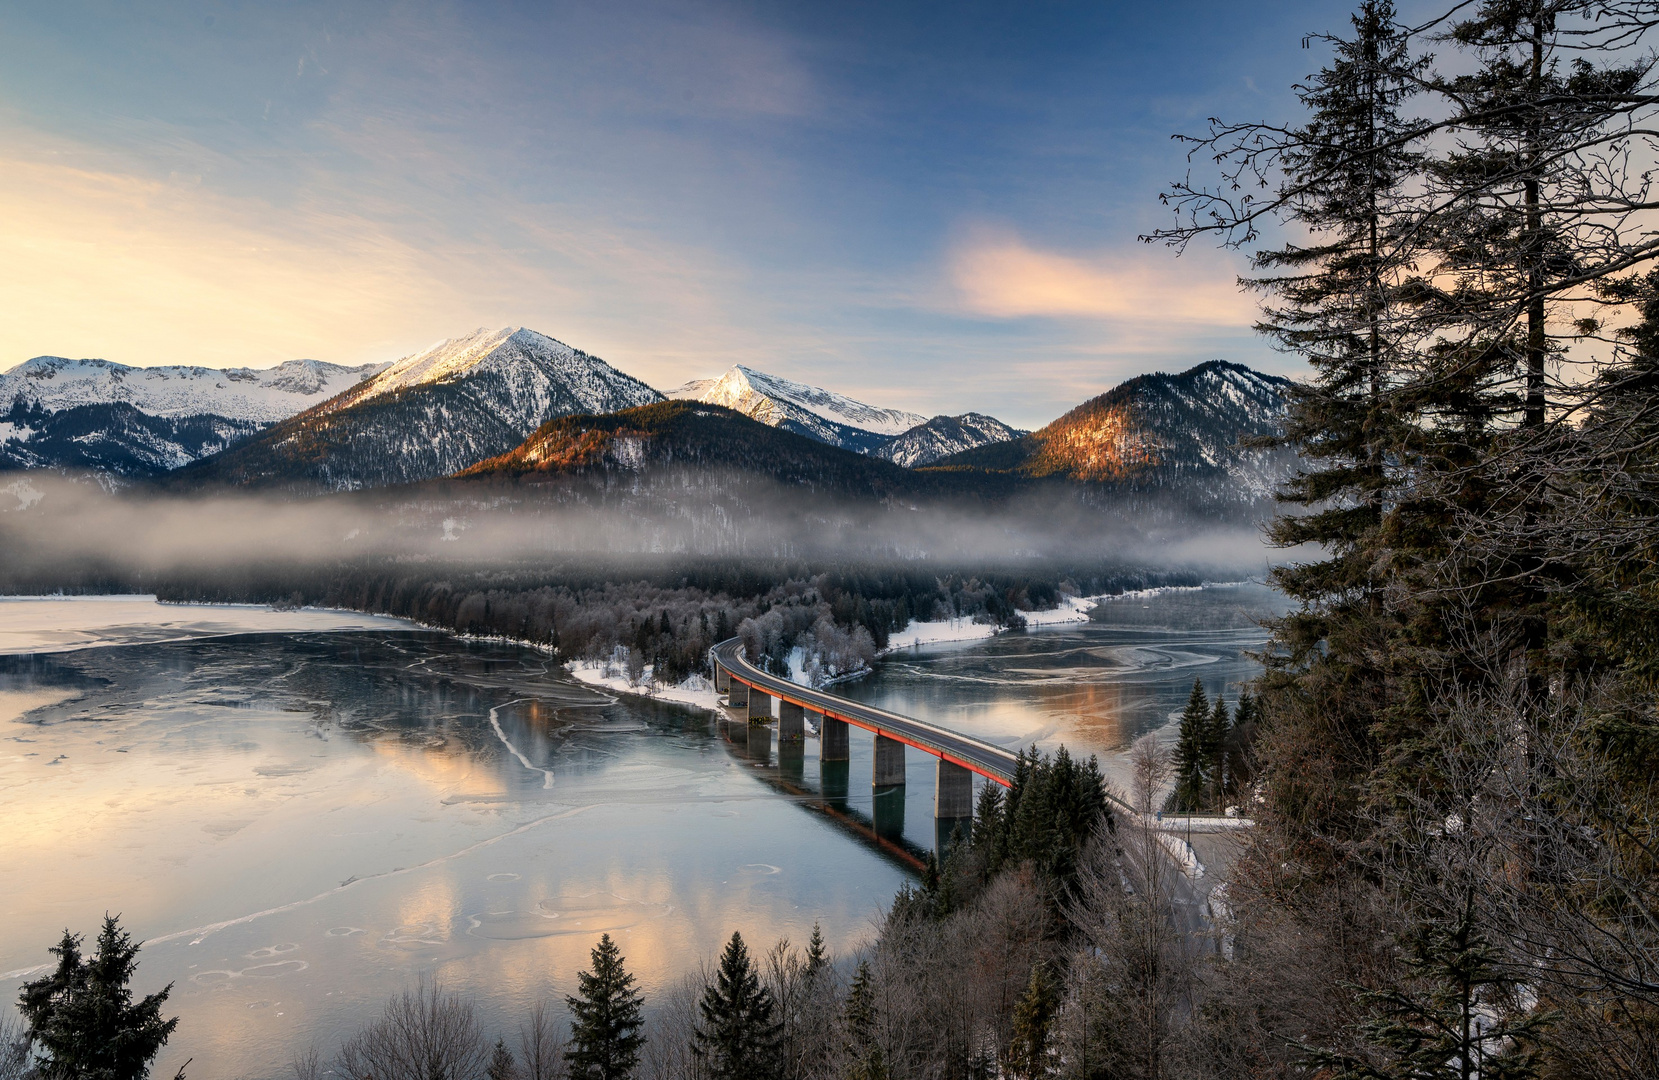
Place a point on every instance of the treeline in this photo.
(1212, 755)
(666, 615)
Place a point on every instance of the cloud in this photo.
(996, 274)
(104, 257)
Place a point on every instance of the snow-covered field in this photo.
(1072, 609)
(45, 624)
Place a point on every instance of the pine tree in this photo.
(1192, 755)
(1240, 735)
(1028, 1052)
(1451, 1019)
(81, 1019)
(502, 1065)
(817, 957)
(1216, 740)
(606, 1017)
(867, 1063)
(738, 1038)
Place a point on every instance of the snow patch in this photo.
(24, 492)
(1072, 609)
(696, 691)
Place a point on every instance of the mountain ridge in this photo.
(806, 410)
(260, 395)
(943, 436)
(135, 422)
(1157, 429)
(430, 414)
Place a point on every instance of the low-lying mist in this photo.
(55, 530)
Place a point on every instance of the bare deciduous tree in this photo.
(425, 1034)
(541, 1049)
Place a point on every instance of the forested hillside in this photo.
(678, 435)
(118, 438)
(666, 612)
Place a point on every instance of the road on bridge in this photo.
(987, 759)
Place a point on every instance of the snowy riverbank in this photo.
(696, 691)
(1072, 609)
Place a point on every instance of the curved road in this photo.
(986, 759)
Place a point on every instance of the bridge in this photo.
(750, 691)
(959, 757)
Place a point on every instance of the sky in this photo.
(925, 206)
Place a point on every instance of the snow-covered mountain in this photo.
(435, 412)
(258, 395)
(806, 410)
(132, 421)
(1182, 432)
(530, 376)
(943, 436)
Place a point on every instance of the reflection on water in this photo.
(1095, 686)
(299, 826)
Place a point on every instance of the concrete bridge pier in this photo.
(760, 706)
(888, 763)
(833, 743)
(791, 722)
(722, 679)
(953, 791)
(737, 693)
(953, 804)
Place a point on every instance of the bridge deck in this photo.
(986, 759)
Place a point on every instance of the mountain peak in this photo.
(1156, 427)
(434, 412)
(806, 410)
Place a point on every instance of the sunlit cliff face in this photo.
(1100, 445)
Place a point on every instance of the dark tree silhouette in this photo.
(738, 1036)
(81, 1019)
(606, 1018)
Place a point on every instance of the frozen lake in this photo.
(302, 821)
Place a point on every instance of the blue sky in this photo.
(930, 206)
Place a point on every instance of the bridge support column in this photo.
(737, 693)
(760, 706)
(833, 744)
(953, 791)
(889, 762)
(722, 678)
(791, 722)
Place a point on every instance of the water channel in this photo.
(301, 824)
